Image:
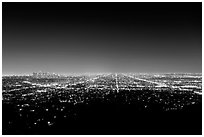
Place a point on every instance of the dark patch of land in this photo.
(106, 118)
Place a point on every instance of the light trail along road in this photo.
(116, 81)
(153, 82)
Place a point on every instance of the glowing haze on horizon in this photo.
(77, 38)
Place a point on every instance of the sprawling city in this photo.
(101, 68)
(117, 103)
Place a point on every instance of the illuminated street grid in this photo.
(30, 94)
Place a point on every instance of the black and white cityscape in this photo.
(102, 104)
(102, 68)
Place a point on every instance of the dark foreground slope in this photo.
(106, 117)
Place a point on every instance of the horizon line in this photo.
(94, 73)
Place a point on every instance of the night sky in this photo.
(101, 37)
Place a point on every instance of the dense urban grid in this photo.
(45, 103)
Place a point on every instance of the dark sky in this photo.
(101, 37)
